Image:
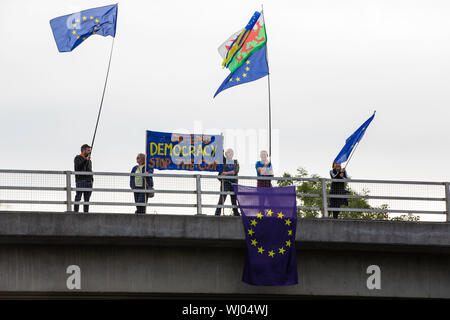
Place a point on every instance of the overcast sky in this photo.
(332, 63)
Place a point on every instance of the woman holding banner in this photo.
(230, 168)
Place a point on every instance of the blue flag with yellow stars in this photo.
(269, 216)
(352, 141)
(73, 29)
(254, 67)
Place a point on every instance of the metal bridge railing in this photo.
(37, 190)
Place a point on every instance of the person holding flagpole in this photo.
(338, 188)
(338, 172)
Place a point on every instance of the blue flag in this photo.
(351, 141)
(73, 29)
(270, 221)
(254, 67)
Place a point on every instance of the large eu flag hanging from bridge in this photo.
(270, 220)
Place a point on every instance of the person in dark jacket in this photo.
(230, 168)
(83, 163)
(337, 188)
(140, 182)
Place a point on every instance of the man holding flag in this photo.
(337, 172)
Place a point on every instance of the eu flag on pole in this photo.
(73, 29)
(254, 68)
(269, 216)
(352, 141)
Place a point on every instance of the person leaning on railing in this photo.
(230, 168)
(140, 182)
(264, 169)
(337, 188)
(82, 162)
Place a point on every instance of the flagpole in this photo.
(268, 89)
(353, 151)
(351, 155)
(103, 95)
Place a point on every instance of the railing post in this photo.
(447, 200)
(324, 198)
(198, 188)
(68, 191)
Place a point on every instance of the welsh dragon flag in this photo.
(240, 45)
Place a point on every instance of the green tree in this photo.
(314, 203)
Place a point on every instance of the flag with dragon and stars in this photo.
(269, 216)
(73, 29)
(245, 54)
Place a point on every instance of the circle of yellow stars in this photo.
(254, 242)
(244, 75)
(77, 24)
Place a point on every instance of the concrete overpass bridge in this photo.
(101, 255)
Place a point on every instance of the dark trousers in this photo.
(86, 194)
(227, 186)
(140, 197)
(337, 188)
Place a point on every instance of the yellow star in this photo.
(96, 20)
(231, 79)
(260, 250)
(251, 232)
(289, 232)
(95, 28)
(260, 215)
(92, 18)
(74, 25)
(244, 75)
(254, 242)
(74, 32)
(78, 20)
(288, 222)
(280, 215)
(269, 213)
(247, 62)
(271, 253)
(83, 38)
(288, 243)
(253, 222)
(84, 18)
(238, 79)
(281, 250)
(78, 37)
(247, 69)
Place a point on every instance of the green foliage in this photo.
(314, 204)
